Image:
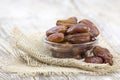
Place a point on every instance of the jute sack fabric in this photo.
(33, 58)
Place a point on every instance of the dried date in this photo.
(103, 53)
(65, 55)
(68, 23)
(78, 38)
(78, 28)
(56, 37)
(93, 29)
(93, 59)
(57, 29)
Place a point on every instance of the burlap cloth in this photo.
(32, 58)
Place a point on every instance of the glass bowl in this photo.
(68, 50)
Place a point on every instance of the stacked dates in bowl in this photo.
(73, 39)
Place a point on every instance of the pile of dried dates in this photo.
(70, 32)
(100, 55)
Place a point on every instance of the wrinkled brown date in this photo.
(61, 54)
(69, 22)
(93, 59)
(103, 53)
(108, 60)
(56, 37)
(99, 51)
(78, 38)
(65, 55)
(76, 51)
(57, 29)
(93, 29)
(63, 48)
(80, 50)
(78, 28)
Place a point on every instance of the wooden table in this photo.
(39, 15)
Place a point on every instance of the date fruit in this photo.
(65, 55)
(78, 28)
(93, 59)
(69, 22)
(78, 38)
(93, 29)
(56, 37)
(76, 51)
(80, 50)
(57, 29)
(64, 47)
(103, 53)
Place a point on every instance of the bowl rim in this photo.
(86, 43)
